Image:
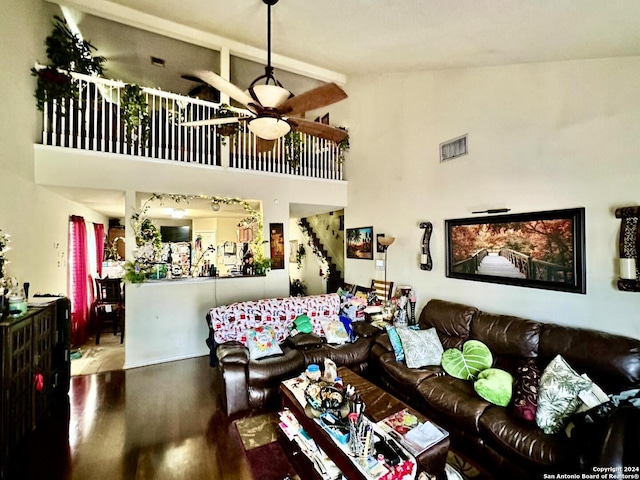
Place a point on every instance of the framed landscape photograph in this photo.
(360, 243)
(538, 250)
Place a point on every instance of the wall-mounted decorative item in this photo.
(293, 250)
(538, 250)
(277, 246)
(629, 248)
(379, 247)
(425, 257)
(360, 243)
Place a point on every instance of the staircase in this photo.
(335, 279)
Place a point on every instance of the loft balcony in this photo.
(95, 122)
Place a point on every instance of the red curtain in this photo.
(98, 229)
(78, 280)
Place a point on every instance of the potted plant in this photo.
(67, 52)
(261, 265)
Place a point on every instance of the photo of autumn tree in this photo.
(516, 249)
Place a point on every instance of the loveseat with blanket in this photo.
(507, 440)
(256, 349)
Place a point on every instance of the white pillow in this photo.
(334, 331)
(421, 347)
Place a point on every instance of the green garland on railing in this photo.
(324, 264)
(135, 113)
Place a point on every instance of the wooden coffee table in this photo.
(379, 405)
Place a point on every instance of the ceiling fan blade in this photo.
(319, 129)
(241, 111)
(223, 85)
(312, 99)
(212, 121)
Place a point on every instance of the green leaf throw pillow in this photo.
(558, 395)
(468, 363)
(495, 386)
(303, 324)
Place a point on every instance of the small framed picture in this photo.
(360, 243)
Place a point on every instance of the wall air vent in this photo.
(453, 148)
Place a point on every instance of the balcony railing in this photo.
(94, 121)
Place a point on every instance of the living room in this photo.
(546, 132)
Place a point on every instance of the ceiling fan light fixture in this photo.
(269, 96)
(269, 127)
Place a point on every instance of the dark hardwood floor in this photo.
(151, 423)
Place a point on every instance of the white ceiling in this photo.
(358, 36)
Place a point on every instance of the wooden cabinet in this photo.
(35, 369)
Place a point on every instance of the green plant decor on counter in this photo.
(67, 52)
(261, 265)
(135, 113)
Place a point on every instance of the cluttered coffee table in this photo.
(382, 447)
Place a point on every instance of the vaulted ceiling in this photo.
(359, 36)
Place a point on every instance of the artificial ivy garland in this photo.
(149, 240)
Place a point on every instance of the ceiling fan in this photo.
(272, 110)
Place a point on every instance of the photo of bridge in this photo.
(533, 250)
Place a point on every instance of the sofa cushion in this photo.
(452, 400)
(303, 341)
(523, 443)
(495, 386)
(402, 377)
(451, 320)
(261, 342)
(270, 371)
(558, 395)
(618, 358)
(421, 347)
(348, 354)
(467, 363)
(525, 391)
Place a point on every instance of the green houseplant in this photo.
(67, 52)
(135, 113)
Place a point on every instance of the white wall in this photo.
(36, 218)
(541, 136)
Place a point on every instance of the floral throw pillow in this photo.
(261, 342)
(421, 347)
(334, 331)
(558, 395)
(525, 391)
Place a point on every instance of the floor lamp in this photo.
(386, 243)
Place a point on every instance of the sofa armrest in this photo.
(621, 446)
(234, 360)
(383, 341)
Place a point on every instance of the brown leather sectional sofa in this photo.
(489, 434)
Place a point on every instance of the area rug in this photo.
(268, 461)
(259, 436)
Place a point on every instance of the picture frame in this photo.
(277, 246)
(359, 243)
(379, 246)
(538, 250)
